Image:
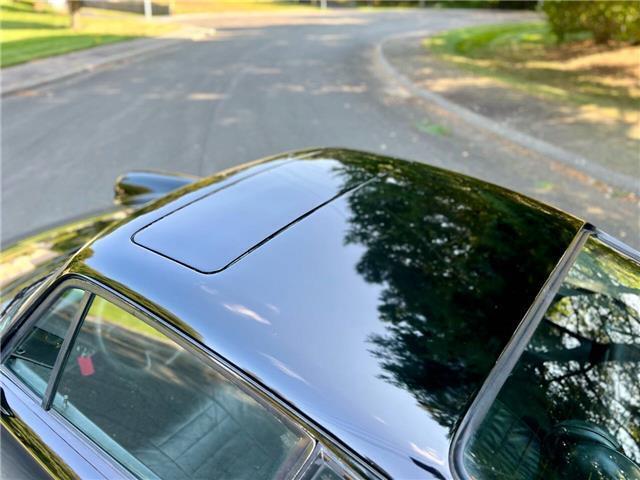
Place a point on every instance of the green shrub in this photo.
(606, 20)
(500, 4)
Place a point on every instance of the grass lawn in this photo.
(27, 34)
(526, 56)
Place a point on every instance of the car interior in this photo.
(33, 359)
(550, 421)
(158, 409)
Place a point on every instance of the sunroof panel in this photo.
(210, 233)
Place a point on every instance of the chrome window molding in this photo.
(511, 354)
(617, 245)
(91, 454)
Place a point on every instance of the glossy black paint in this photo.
(199, 235)
(140, 187)
(14, 464)
(36, 449)
(378, 316)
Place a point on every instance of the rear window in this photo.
(571, 406)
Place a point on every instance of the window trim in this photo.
(507, 360)
(71, 436)
(26, 328)
(26, 320)
(65, 348)
(617, 245)
(47, 293)
(242, 379)
(91, 288)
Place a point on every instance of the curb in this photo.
(515, 136)
(90, 66)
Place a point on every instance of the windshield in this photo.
(571, 406)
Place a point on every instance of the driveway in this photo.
(260, 86)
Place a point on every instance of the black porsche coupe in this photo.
(321, 315)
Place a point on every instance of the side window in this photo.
(570, 407)
(34, 357)
(162, 411)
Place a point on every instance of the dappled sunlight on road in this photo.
(329, 40)
(315, 89)
(359, 88)
(626, 120)
(253, 21)
(231, 34)
(204, 96)
(258, 70)
(241, 87)
(105, 90)
(286, 87)
(229, 121)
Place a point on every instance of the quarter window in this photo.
(34, 357)
(163, 412)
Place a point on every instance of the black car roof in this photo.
(377, 308)
(213, 231)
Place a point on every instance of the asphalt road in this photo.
(260, 86)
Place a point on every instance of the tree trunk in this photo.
(74, 9)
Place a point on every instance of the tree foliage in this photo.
(460, 262)
(606, 20)
(582, 363)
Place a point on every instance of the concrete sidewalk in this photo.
(37, 73)
(599, 147)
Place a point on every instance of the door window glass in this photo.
(163, 411)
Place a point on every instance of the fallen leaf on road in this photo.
(432, 128)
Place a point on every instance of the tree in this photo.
(74, 7)
(460, 263)
(606, 20)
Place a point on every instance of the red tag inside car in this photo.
(86, 365)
